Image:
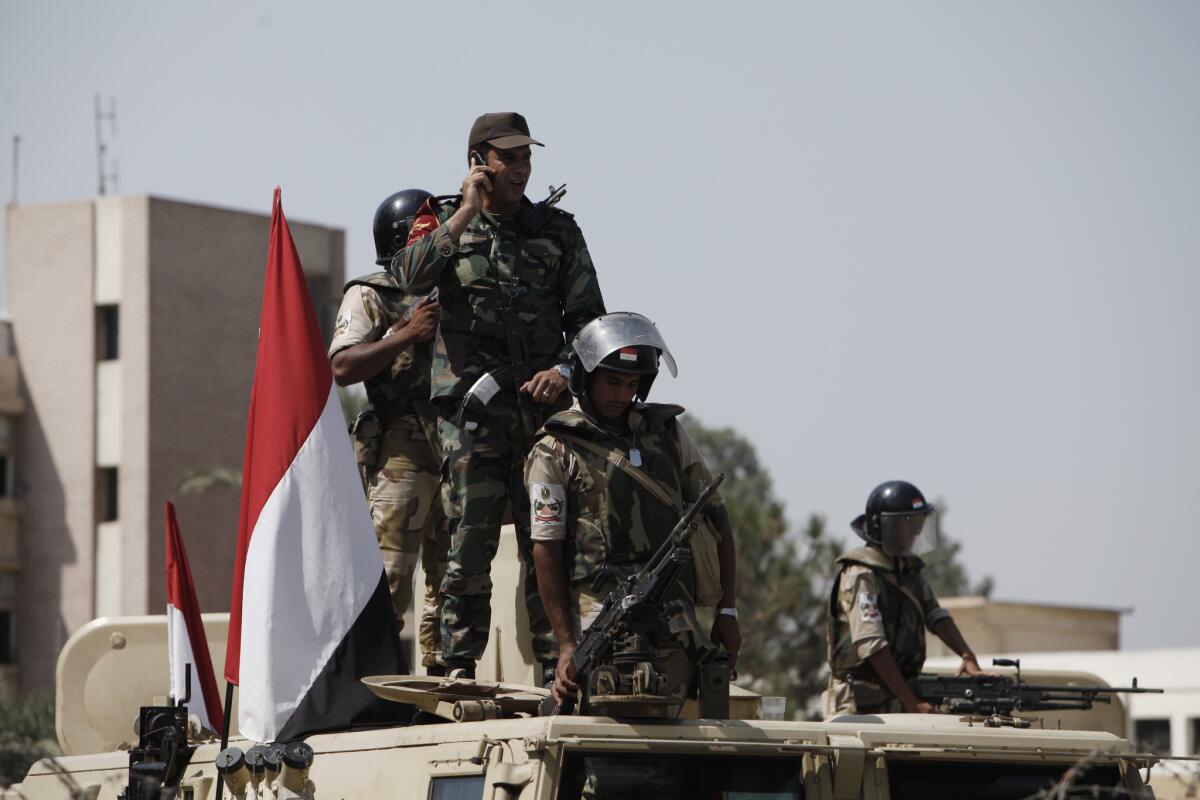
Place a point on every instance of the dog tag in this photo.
(635, 456)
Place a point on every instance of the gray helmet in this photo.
(623, 342)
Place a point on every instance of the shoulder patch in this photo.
(868, 607)
(426, 220)
(547, 503)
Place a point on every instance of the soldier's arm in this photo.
(939, 621)
(696, 476)
(360, 328)
(547, 479)
(949, 633)
(579, 291)
(431, 246)
(364, 349)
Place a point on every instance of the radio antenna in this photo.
(16, 163)
(103, 175)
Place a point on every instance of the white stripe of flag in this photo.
(308, 569)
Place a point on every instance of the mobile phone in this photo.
(477, 159)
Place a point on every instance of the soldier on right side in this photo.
(880, 606)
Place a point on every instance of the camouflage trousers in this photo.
(485, 475)
(404, 492)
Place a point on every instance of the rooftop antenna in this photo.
(16, 162)
(105, 177)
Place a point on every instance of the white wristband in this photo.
(729, 612)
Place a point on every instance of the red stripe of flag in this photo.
(292, 380)
(181, 593)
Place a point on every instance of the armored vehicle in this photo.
(483, 739)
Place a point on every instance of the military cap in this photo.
(503, 130)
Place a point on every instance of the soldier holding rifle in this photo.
(607, 484)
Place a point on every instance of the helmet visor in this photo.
(909, 533)
(607, 334)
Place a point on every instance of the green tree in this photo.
(783, 580)
(26, 734)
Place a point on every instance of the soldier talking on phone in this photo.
(515, 283)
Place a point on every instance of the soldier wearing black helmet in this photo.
(881, 605)
(383, 338)
(607, 482)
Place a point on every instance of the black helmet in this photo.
(392, 221)
(623, 342)
(898, 519)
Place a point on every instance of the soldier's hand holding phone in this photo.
(477, 183)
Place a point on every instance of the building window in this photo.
(320, 301)
(1195, 726)
(8, 649)
(108, 494)
(1153, 735)
(4, 491)
(107, 333)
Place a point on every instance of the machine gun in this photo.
(999, 696)
(614, 658)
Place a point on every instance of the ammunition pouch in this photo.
(869, 696)
(366, 433)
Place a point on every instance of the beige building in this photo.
(994, 626)
(134, 326)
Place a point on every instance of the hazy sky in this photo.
(955, 242)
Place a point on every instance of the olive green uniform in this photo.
(877, 601)
(396, 445)
(514, 291)
(609, 522)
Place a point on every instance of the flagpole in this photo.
(225, 736)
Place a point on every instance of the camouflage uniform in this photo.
(523, 282)
(397, 450)
(609, 521)
(877, 601)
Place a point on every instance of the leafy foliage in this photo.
(783, 580)
(199, 481)
(26, 734)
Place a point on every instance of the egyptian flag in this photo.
(186, 643)
(310, 613)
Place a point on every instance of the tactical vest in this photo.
(613, 519)
(903, 620)
(406, 380)
(501, 297)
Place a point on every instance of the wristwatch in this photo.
(729, 612)
(564, 370)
